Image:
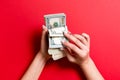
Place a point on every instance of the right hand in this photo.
(77, 50)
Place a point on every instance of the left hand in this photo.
(44, 44)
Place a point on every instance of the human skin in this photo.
(77, 51)
(39, 61)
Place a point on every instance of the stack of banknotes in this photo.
(56, 25)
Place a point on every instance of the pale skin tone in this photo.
(77, 51)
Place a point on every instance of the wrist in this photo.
(89, 67)
(41, 57)
(86, 63)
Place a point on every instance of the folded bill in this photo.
(56, 53)
(55, 42)
(57, 31)
(58, 56)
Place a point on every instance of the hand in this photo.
(39, 61)
(44, 44)
(77, 49)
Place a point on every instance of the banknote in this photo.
(56, 24)
(55, 42)
(56, 53)
(57, 31)
(58, 56)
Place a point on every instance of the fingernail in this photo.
(64, 32)
(83, 33)
(69, 32)
(61, 48)
(62, 41)
(43, 27)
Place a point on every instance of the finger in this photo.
(44, 28)
(75, 40)
(81, 38)
(87, 37)
(73, 47)
(69, 56)
(70, 51)
(44, 37)
(69, 32)
(44, 33)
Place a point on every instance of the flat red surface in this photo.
(20, 31)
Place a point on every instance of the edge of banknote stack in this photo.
(56, 25)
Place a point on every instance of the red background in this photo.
(20, 31)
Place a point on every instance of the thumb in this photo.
(44, 37)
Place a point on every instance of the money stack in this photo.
(56, 25)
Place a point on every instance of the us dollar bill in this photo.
(56, 53)
(58, 56)
(55, 42)
(56, 24)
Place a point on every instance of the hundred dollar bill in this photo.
(56, 24)
(55, 42)
(56, 53)
(57, 31)
(58, 56)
